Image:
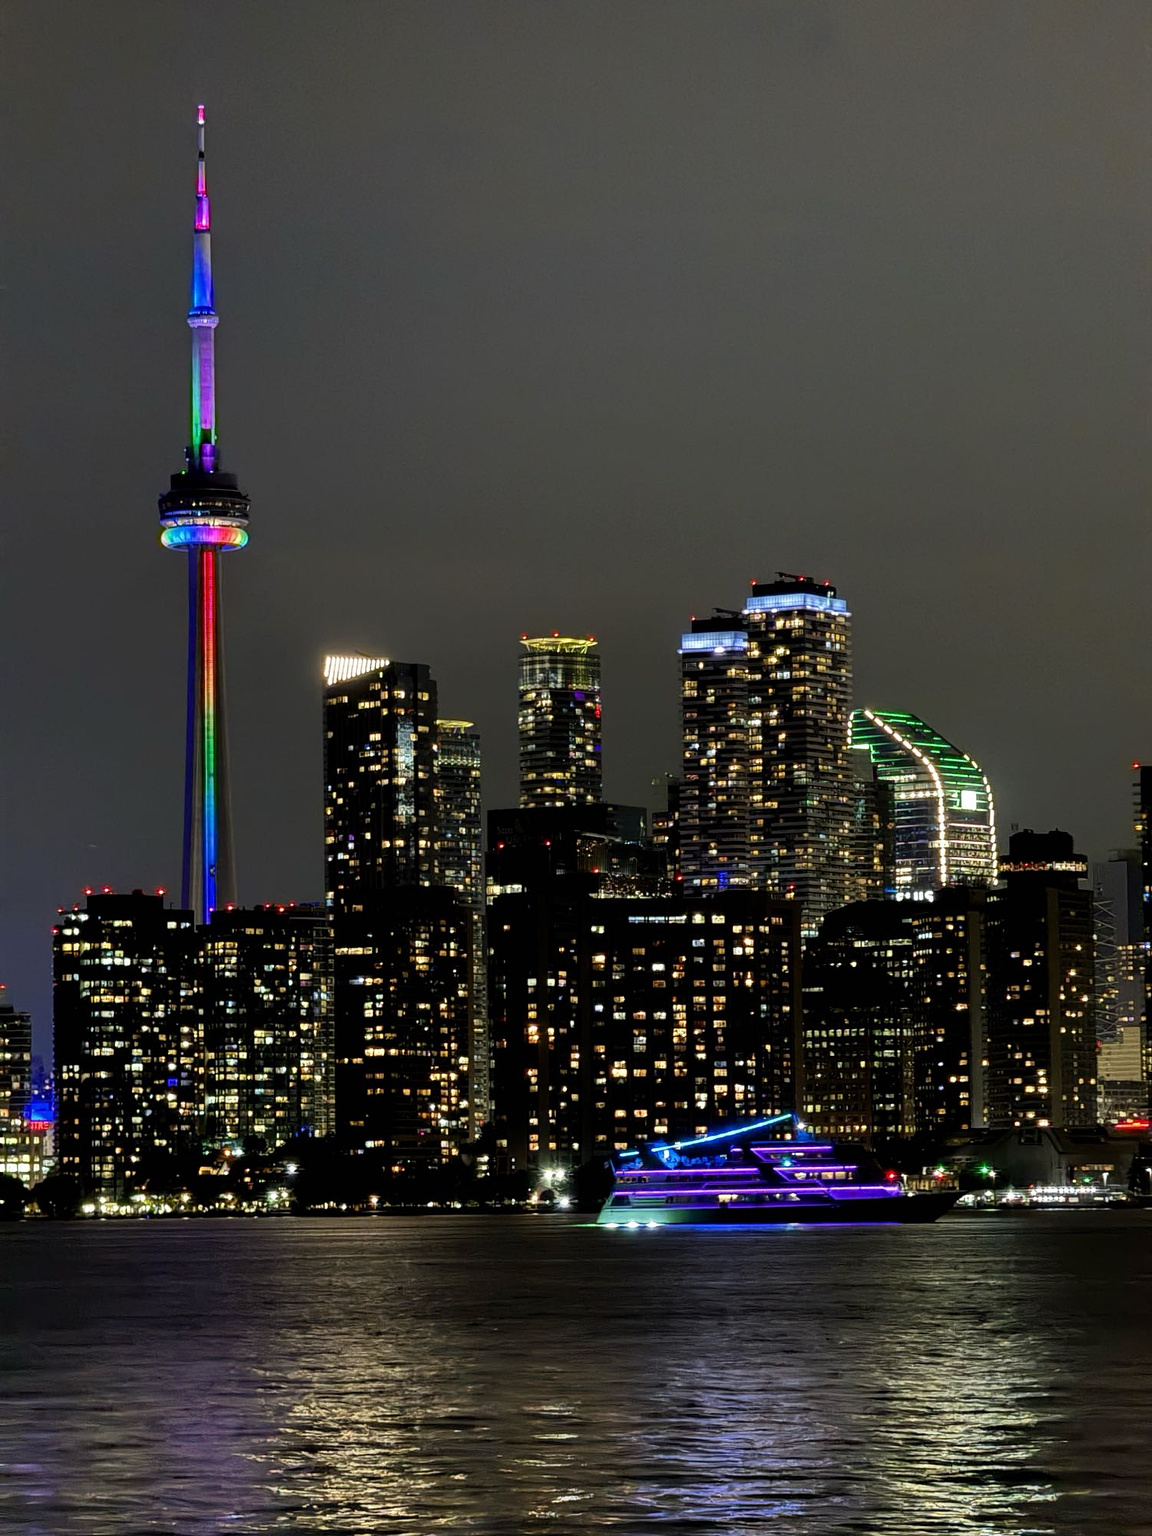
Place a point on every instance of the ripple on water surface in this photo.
(506, 1375)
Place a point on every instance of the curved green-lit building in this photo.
(945, 815)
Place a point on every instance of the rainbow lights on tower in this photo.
(202, 514)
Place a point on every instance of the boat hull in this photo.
(895, 1210)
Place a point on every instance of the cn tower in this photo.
(204, 513)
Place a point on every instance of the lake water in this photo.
(508, 1375)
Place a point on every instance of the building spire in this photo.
(203, 211)
(203, 319)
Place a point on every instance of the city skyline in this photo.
(666, 798)
(107, 643)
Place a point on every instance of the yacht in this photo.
(771, 1171)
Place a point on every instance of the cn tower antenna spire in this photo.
(204, 512)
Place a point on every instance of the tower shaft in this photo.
(209, 878)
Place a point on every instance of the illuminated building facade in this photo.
(406, 945)
(22, 1139)
(895, 1018)
(1121, 955)
(1142, 800)
(127, 1038)
(873, 876)
(203, 514)
(949, 986)
(1041, 987)
(714, 785)
(945, 819)
(459, 824)
(860, 1025)
(665, 826)
(403, 991)
(606, 846)
(380, 735)
(802, 792)
(615, 1019)
(559, 721)
(15, 1057)
(461, 868)
(265, 995)
(1143, 826)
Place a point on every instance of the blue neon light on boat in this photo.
(739, 1130)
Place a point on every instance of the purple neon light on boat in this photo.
(730, 1177)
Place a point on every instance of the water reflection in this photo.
(495, 1375)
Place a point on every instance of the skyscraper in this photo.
(1142, 805)
(460, 839)
(559, 721)
(1041, 987)
(801, 791)
(949, 995)
(894, 1017)
(15, 1056)
(1143, 826)
(403, 1006)
(459, 824)
(713, 814)
(860, 1025)
(379, 778)
(615, 1018)
(203, 513)
(129, 1058)
(21, 1140)
(264, 991)
(945, 815)
(405, 958)
(1121, 951)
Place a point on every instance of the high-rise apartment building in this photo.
(1041, 987)
(403, 1006)
(402, 842)
(15, 1057)
(1143, 826)
(559, 721)
(1142, 820)
(894, 1017)
(459, 824)
(860, 1024)
(380, 734)
(802, 791)
(615, 1019)
(265, 997)
(715, 849)
(768, 796)
(949, 988)
(461, 868)
(129, 1056)
(665, 826)
(21, 1141)
(945, 819)
(1121, 954)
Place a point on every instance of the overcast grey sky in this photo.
(568, 316)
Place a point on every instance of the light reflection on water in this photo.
(503, 1375)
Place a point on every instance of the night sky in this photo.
(568, 316)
